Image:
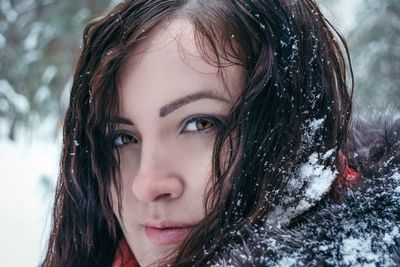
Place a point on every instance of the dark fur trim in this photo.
(374, 143)
(363, 229)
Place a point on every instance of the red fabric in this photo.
(124, 256)
(348, 178)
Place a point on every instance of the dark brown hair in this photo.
(296, 73)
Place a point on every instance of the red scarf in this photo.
(348, 178)
(124, 256)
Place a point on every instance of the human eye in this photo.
(123, 138)
(201, 124)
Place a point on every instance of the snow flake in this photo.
(90, 96)
(308, 138)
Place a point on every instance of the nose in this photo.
(158, 177)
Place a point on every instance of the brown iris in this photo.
(203, 124)
(126, 139)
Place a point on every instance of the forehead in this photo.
(171, 38)
(167, 64)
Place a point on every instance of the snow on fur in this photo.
(361, 230)
(309, 185)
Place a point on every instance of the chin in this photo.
(153, 254)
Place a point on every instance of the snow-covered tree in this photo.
(39, 41)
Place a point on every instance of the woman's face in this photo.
(172, 104)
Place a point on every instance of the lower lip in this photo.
(163, 236)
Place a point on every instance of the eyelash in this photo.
(216, 124)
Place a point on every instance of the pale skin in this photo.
(166, 138)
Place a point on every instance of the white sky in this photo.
(23, 207)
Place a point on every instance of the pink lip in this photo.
(167, 232)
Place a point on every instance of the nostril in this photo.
(166, 196)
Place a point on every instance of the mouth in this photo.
(166, 232)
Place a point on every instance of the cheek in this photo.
(197, 154)
(227, 167)
(129, 161)
(197, 161)
(114, 202)
(128, 169)
(128, 166)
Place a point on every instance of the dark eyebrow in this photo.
(167, 109)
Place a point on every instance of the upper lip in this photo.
(167, 224)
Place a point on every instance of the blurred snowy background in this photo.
(39, 43)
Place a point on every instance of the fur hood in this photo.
(312, 229)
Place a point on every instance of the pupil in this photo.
(125, 139)
(204, 124)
